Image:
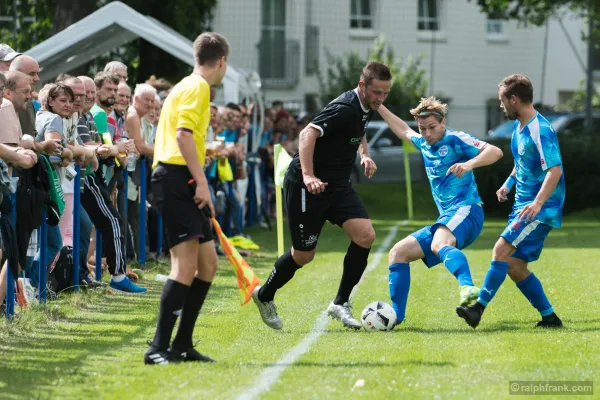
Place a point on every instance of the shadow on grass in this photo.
(49, 345)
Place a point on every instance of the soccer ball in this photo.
(378, 316)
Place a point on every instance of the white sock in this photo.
(118, 278)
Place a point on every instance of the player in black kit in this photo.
(317, 189)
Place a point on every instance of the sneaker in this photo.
(191, 354)
(344, 314)
(550, 321)
(471, 314)
(468, 294)
(268, 311)
(161, 357)
(88, 282)
(245, 243)
(127, 286)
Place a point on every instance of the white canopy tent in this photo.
(114, 25)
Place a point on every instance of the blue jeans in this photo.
(55, 243)
(237, 208)
(85, 233)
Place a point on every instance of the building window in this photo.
(311, 47)
(361, 14)
(596, 60)
(429, 15)
(495, 27)
(272, 42)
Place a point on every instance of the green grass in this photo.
(90, 345)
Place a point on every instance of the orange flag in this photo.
(246, 278)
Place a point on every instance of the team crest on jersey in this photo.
(443, 151)
(521, 149)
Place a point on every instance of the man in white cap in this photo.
(7, 54)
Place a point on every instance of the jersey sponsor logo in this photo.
(443, 151)
(521, 149)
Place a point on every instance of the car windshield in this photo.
(371, 131)
(506, 129)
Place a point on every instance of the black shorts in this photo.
(174, 190)
(308, 212)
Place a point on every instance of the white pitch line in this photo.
(271, 374)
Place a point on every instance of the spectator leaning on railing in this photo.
(13, 155)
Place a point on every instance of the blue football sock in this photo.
(457, 264)
(492, 282)
(531, 287)
(399, 282)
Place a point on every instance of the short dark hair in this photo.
(102, 77)
(56, 90)
(2, 77)
(233, 106)
(375, 70)
(11, 78)
(517, 85)
(209, 47)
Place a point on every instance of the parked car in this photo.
(563, 124)
(387, 152)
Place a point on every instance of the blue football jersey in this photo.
(450, 192)
(535, 150)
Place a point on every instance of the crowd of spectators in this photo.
(106, 126)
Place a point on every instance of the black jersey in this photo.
(342, 123)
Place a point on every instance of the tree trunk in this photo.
(68, 12)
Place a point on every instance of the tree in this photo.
(577, 102)
(537, 12)
(409, 83)
(188, 17)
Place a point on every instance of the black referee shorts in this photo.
(308, 212)
(174, 190)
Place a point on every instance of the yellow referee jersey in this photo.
(186, 108)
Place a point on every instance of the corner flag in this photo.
(246, 278)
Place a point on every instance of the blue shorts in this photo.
(465, 223)
(528, 238)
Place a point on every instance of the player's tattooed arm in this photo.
(397, 125)
(306, 149)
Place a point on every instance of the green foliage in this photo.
(31, 32)
(577, 102)
(536, 12)
(581, 161)
(409, 82)
(188, 17)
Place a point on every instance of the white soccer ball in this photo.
(378, 316)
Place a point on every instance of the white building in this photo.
(465, 53)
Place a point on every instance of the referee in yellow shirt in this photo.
(183, 199)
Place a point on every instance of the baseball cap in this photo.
(7, 53)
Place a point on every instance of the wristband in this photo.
(510, 182)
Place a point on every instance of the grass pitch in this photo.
(90, 345)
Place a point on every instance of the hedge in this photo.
(581, 166)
